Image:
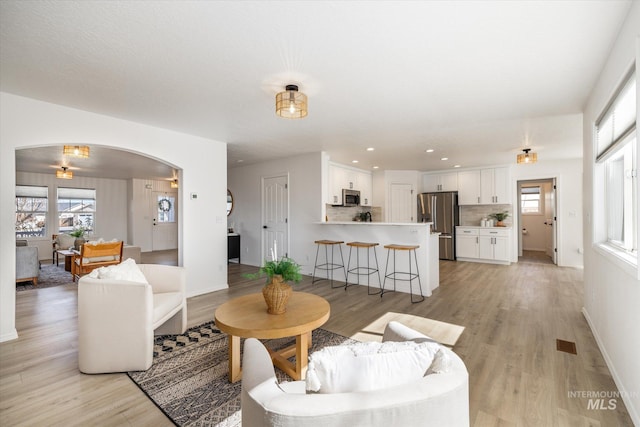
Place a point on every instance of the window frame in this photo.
(84, 210)
(540, 200)
(625, 137)
(45, 212)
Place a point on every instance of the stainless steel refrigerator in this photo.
(442, 210)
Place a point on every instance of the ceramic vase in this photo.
(78, 242)
(276, 294)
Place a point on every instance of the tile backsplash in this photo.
(473, 214)
(340, 213)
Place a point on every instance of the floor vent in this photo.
(566, 346)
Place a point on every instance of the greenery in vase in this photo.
(286, 267)
(78, 232)
(500, 216)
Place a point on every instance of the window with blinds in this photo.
(76, 209)
(615, 145)
(31, 211)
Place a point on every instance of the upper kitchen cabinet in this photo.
(483, 187)
(341, 177)
(493, 185)
(469, 187)
(439, 182)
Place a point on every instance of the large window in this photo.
(31, 211)
(76, 208)
(616, 142)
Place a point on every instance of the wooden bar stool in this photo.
(328, 266)
(408, 277)
(368, 270)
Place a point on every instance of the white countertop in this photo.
(412, 224)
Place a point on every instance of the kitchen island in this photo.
(386, 233)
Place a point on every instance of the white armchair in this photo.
(117, 319)
(434, 400)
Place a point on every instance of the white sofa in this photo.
(433, 400)
(117, 319)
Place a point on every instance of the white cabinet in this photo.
(494, 244)
(365, 185)
(469, 187)
(493, 186)
(466, 243)
(483, 244)
(483, 187)
(341, 177)
(440, 182)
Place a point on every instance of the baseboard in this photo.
(614, 374)
(9, 336)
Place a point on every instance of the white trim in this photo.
(622, 259)
(9, 336)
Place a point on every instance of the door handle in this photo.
(264, 226)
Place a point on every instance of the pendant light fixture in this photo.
(291, 104)
(76, 151)
(64, 173)
(174, 183)
(527, 157)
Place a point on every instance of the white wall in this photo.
(568, 174)
(305, 205)
(611, 294)
(31, 123)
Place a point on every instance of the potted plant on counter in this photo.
(499, 217)
(276, 291)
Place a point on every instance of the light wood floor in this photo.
(512, 314)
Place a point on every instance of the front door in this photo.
(164, 208)
(275, 216)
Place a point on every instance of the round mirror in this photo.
(229, 202)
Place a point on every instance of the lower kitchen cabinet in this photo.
(483, 244)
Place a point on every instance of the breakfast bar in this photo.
(386, 233)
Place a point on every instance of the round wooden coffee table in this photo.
(247, 317)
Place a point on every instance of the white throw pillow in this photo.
(368, 366)
(126, 270)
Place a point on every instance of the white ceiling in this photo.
(474, 80)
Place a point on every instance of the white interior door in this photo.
(401, 202)
(164, 211)
(275, 216)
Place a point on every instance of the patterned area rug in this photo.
(188, 378)
(50, 275)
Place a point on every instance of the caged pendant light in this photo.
(291, 104)
(527, 157)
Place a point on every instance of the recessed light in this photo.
(430, 150)
(370, 149)
(376, 167)
(444, 158)
(354, 161)
(456, 166)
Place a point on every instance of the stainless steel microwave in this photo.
(350, 197)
